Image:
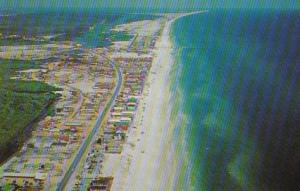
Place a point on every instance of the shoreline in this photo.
(146, 155)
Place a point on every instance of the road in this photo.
(88, 140)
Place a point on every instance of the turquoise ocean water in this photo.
(236, 100)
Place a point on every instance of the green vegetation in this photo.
(8, 67)
(21, 102)
(7, 187)
(29, 86)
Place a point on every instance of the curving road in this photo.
(61, 186)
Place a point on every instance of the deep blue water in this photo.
(236, 87)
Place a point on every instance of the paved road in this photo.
(87, 142)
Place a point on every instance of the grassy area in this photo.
(21, 102)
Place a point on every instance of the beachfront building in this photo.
(101, 184)
(34, 181)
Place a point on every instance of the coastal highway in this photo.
(62, 184)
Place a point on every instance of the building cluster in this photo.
(135, 71)
(119, 119)
(88, 80)
(56, 138)
(135, 63)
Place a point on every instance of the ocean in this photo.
(236, 100)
